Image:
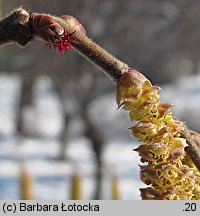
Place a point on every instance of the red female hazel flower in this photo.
(47, 28)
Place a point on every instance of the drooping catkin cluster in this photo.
(168, 171)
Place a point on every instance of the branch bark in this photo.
(193, 148)
(88, 48)
(18, 28)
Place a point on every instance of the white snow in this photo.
(52, 178)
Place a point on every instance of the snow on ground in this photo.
(185, 95)
(51, 178)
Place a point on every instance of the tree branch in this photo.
(18, 28)
(193, 148)
(111, 65)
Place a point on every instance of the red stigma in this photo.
(62, 42)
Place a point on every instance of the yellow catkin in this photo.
(26, 185)
(168, 171)
(76, 187)
(115, 188)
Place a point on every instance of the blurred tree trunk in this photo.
(1, 15)
(25, 101)
(95, 135)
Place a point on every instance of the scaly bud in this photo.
(48, 29)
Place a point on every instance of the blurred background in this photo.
(61, 135)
